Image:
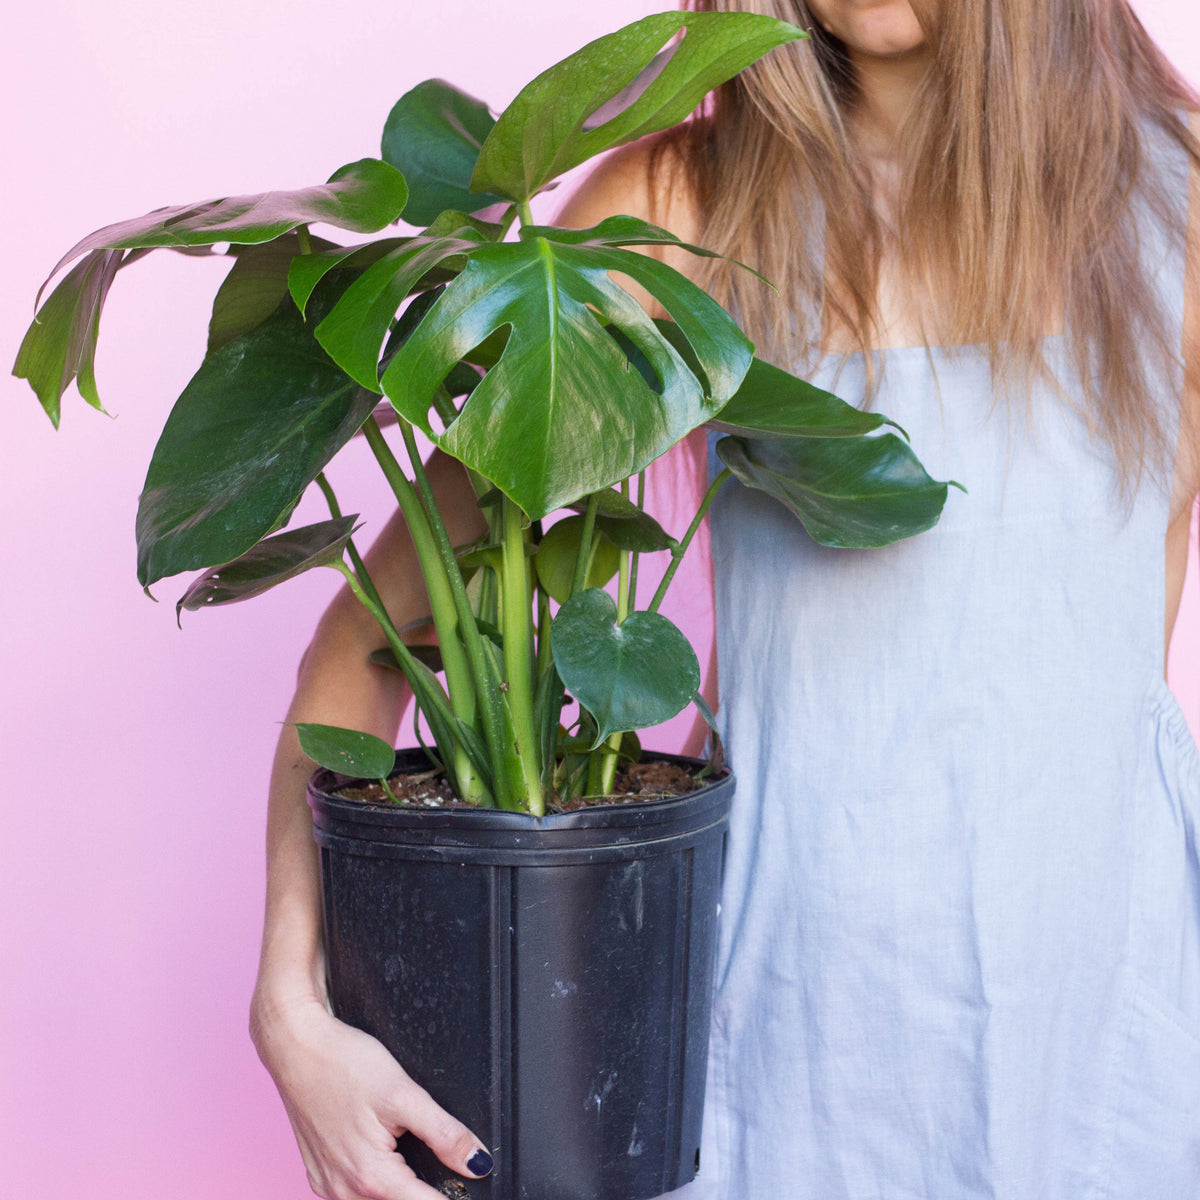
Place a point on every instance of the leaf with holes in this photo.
(546, 130)
(628, 676)
(562, 413)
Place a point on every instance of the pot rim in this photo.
(650, 818)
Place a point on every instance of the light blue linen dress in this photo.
(959, 955)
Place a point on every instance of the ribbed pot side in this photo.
(548, 980)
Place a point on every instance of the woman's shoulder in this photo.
(647, 178)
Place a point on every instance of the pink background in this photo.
(131, 851)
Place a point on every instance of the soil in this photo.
(634, 782)
(427, 788)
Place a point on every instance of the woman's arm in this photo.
(345, 1095)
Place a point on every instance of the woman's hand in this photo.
(348, 1100)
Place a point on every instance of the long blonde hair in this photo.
(1025, 165)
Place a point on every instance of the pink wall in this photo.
(132, 845)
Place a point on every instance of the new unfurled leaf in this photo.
(273, 560)
(432, 136)
(854, 493)
(630, 675)
(546, 130)
(562, 413)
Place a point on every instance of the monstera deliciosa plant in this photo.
(512, 347)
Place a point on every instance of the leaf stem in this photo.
(680, 548)
(602, 768)
(486, 681)
(517, 619)
(335, 511)
(441, 600)
(583, 560)
(633, 560)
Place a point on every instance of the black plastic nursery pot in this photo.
(547, 979)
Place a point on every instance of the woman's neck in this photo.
(887, 85)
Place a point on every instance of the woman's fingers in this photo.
(417, 1111)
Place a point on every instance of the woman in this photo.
(960, 947)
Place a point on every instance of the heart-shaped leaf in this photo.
(259, 419)
(273, 560)
(545, 130)
(433, 135)
(361, 755)
(562, 414)
(854, 493)
(628, 676)
(558, 551)
(624, 524)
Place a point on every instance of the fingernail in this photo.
(480, 1163)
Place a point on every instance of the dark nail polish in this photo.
(480, 1163)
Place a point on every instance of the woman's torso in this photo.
(960, 930)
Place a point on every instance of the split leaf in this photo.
(546, 130)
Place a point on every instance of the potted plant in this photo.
(537, 953)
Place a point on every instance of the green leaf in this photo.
(773, 403)
(257, 422)
(433, 135)
(281, 557)
(308, 270)
(362, 196)
(60, 345)
(355, 328)
(848, 492)
(347, 751)
(562, 414)
(546, 129)
(624, 524)
(628, 676)
(558, 552)
(254, 287)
